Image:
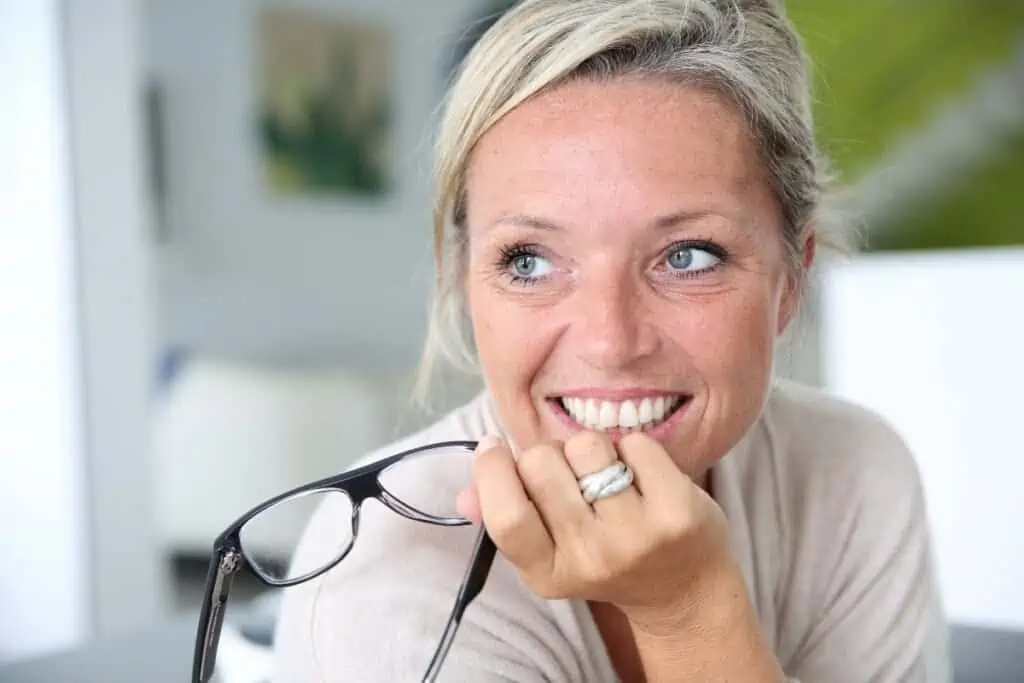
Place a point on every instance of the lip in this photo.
(625, 394)
(659, 432)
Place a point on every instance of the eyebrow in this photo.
(662, 222)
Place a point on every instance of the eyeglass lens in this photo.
(422, 486)
(428, 482)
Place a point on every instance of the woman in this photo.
(628, 205)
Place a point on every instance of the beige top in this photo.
(828, 524)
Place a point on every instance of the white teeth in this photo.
(628, 415)
(646, 411)
(578, 407)
(609, 415)
(624, 415)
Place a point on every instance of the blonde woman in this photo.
(628, 202)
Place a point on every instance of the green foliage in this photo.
(984, 210)
(883, 68)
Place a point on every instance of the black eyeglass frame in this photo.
(359, 484)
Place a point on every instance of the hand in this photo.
(647, 550)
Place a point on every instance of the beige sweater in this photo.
(828, 524)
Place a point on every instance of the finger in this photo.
(509, 515)
(467, 504)
(589, 452)
(552, 486)
(655, 475)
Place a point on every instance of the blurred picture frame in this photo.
(325, 119)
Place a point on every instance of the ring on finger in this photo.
(606, 482)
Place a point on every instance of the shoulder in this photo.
(469, 421)
(850, 504)
(835, 490)
(855, 576)
(829, 485)
(828, 448)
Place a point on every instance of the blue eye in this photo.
(525, 265)
(691, 259)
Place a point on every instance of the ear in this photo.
(810, 249)
(794, 286)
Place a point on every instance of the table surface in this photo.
(163, 654)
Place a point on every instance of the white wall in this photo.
(44, 556)
(79, 553)
(935, 343)
(118, 308)
(248, 275)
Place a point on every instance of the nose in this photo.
(613, 325)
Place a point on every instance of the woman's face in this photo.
(626, 267)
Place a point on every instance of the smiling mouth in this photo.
(620, 416)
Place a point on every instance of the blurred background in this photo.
(216, 256)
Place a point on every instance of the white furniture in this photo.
(229, 435)
(935, 343)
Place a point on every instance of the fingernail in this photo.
(488, 442)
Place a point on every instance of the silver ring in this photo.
(607, 482)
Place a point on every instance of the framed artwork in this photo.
(325, 87)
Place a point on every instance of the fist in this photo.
(646, 549)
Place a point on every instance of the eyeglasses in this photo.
(396, 481)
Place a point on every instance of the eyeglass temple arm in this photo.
(212, 618)
(473, 582)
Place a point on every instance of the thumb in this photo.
(467, 504)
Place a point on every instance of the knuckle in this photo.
(593, 563)
(536, 457)
(668, 528)
(536, 465)
(597, 573)
(508, 521)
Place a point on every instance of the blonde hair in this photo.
(746, 50)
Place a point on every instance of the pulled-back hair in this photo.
(745, 50)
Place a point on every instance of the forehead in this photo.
(635, 144)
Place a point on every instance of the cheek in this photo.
(507, 342)
(512, 349)
(733, 345)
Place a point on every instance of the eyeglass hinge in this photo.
(231, 562)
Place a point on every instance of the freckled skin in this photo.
(601, 165)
